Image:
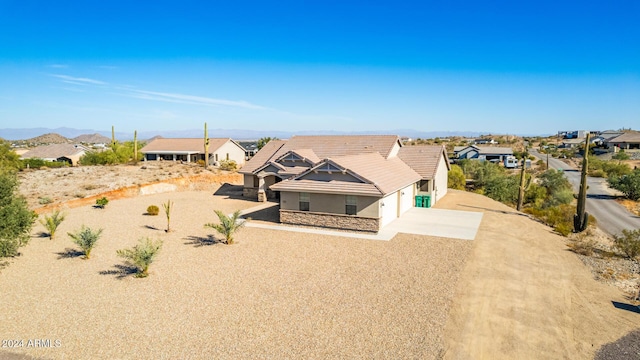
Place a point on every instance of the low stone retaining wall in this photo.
(332, 221)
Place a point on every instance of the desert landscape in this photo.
(513, 292)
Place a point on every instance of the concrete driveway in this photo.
(453, 224)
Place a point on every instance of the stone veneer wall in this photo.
(250, 192)
(333, 221)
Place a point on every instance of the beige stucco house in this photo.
(68, 153)
(629, 141)
(192, 150)
(346, 182)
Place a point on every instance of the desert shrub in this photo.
(502, 188)
(45, 200)
(628, 243)
(583, 246)
(456, 179)
(52, 222)
(601, 168)
(118, 153)
(558, 188)
(153, 210)
(628, 184)
(86, 239)
(560, 218)
(16, 220)
(36, 163)
(228, 225)
(200, 162)
(621, 155)
(142, 255)
(9, 160)
(102, 202)
(228, 165)
(535, 195)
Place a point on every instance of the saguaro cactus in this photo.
(206, 146)
(113, 138)
(581, 218)
(135, 146)
(523, 187)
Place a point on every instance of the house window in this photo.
(351, 207)
(304, 201)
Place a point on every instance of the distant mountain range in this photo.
(236, 134)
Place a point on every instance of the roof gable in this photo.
(424, 159)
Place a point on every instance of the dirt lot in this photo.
(515, 292)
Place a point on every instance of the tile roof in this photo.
(54, 151)
(628, 137)
(424, 159)
(262, 157)
(325, 146)
(183, 145)
(492, 150)
(385, 175)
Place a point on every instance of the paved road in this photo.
(612, 217)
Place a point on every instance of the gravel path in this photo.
(274, 294)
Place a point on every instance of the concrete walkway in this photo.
(452, 224)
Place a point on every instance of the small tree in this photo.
(629, 184)
(16, 220)
(263, 141)
(228, 225)
(142, 255)
(52, 222)
(102, 202)
(167, 210)
(628, 243)
(456, 178)
(86, 239)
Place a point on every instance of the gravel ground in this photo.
(627, 348)
(274, 294)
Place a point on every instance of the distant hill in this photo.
(91, 139)
(50, 138)
(236, 134)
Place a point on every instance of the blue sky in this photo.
(499, 67)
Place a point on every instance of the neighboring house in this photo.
(572, 143)
(484, 141)
(68, 153)
(627, 141)
(489, 153)
(192, 150)
(250, 148)
(345, 182)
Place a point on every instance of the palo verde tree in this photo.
(228, 225)
(16, 220)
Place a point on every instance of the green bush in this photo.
(601, 168)
(36, 163)
(153, 210)
(628, 243)
(628, 184)
(142, 255)
(102, 202)
(86, 239)
(502, 188)
(228, 165)
(119, 153)
(52, 222)
(456, 178)
(16, 220)
(560, 218)
(621, 155)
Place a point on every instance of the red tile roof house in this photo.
(192, 150)
(358, 182)
(68, 153)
